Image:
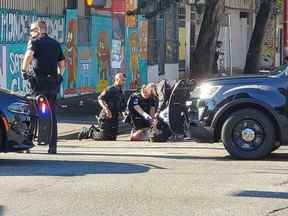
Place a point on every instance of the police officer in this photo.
(142, 108)
(48, 62)
(112, 102)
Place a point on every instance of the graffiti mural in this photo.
(15, 82)
(134, 60)
(70, 52)
(117, 54)
(144, 39)
(113, 46)
(15, 26)
(118, 6)
(85, 66)
(3, 76)
(131, 21)
(118, 37)
(103, 56)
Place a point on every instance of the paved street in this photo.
(123, 178)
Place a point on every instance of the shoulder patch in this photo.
(135, 101)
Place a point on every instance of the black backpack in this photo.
(88, 133)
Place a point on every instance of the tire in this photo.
(248, 134)
(275, 147)
(1, 138)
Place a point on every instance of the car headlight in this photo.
(208, 91)
(20, 107)
(189, 103)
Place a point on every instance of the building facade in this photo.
(235, 33)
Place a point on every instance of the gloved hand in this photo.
(26, 76)
(147, 117)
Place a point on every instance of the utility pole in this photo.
(285, 27)
(188, 38)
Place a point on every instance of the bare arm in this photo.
(139, 110)
(104, 105)
(28, 57)
(152, 111)
(61, 66)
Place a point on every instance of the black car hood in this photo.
(11, 94)
(249, 79)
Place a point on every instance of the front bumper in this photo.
(20, 133)
(202, 112)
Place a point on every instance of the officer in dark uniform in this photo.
(142, 108)
(48, 62)
(112, 102)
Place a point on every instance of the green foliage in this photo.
(279, 4)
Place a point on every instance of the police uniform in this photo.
(137, 121)
(114, 97)
(47, 54)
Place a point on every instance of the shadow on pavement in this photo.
(142, 147)
(278, 157)
(263, 194)
(66, 168)
(173, 157)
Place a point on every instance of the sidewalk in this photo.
(70, 126)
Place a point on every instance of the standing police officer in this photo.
(112, 102)
(46, 56)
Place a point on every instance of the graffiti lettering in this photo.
(17, 83)
(15, 65)
(14, 26)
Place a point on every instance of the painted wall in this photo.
(14, 34)
(15, 26)
(118, 43)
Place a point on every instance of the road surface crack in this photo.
(277, 210)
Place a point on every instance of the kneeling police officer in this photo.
(142, 108)
(112, 102)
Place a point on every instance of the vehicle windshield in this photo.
(280, 69)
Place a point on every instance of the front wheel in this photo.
(248, 134)
(1, 138)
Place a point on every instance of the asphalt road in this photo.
(123, 178)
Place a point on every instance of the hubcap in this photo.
(248, 134)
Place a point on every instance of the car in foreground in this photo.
(18, 120)
(249, 114)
